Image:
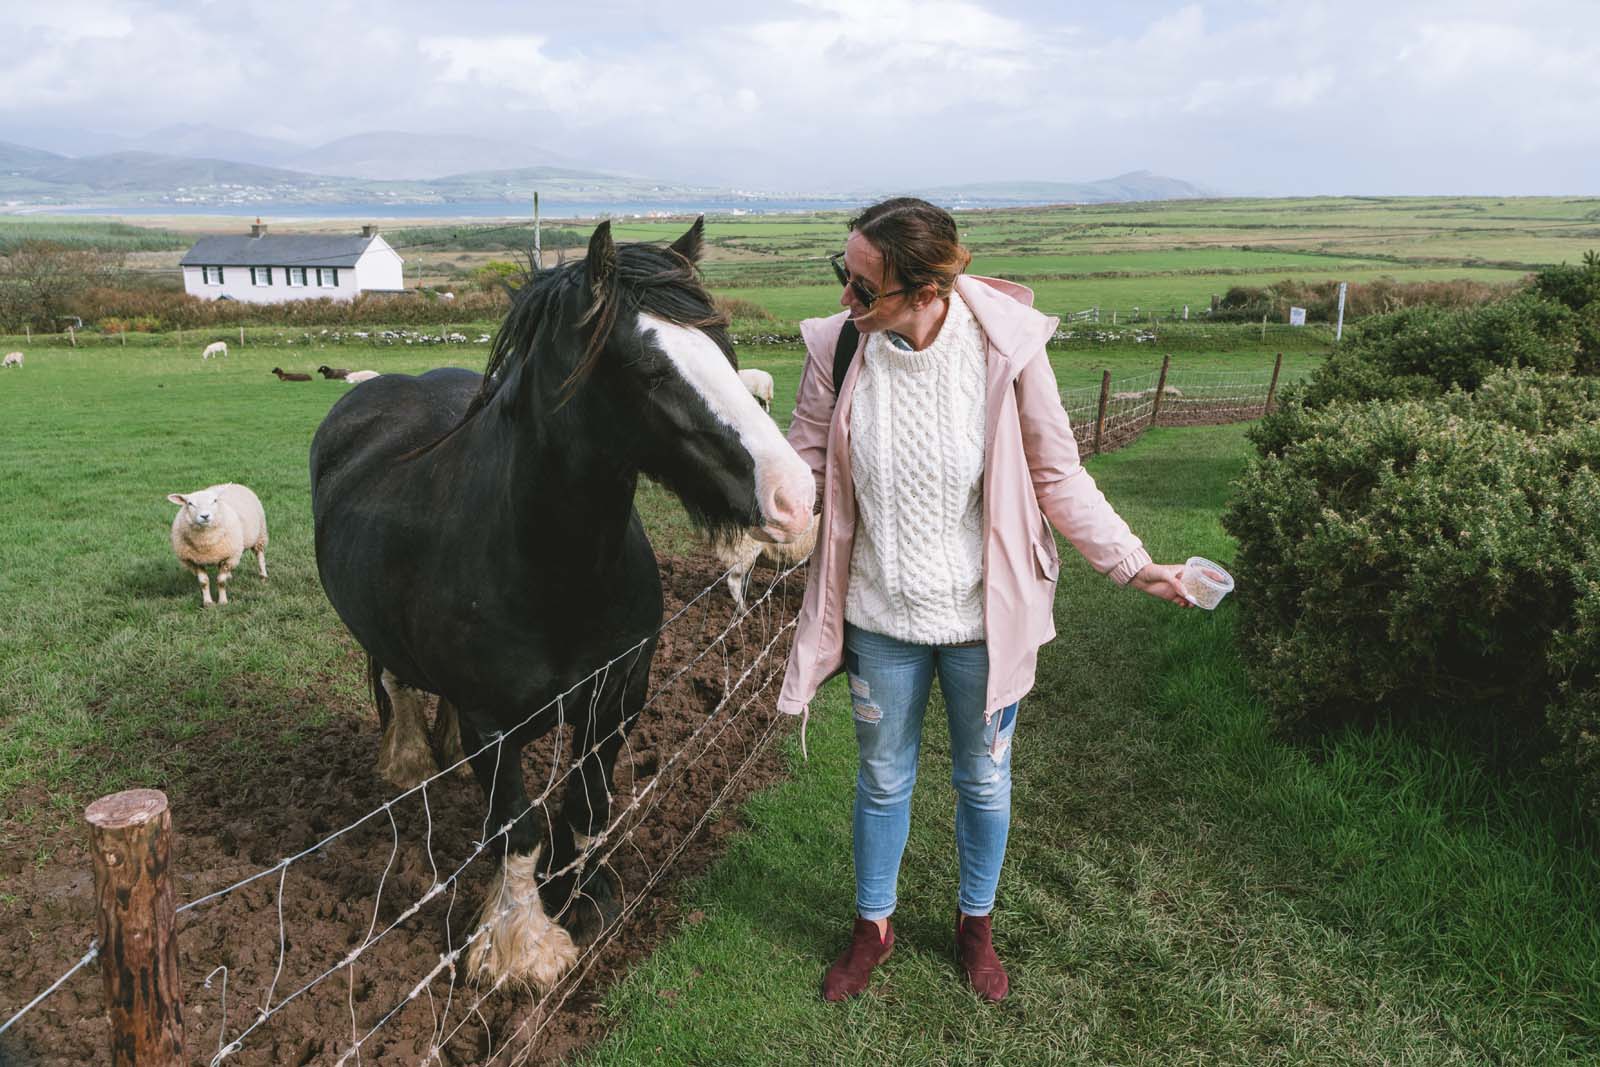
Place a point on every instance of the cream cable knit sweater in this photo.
(916, 455)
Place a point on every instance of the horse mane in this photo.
(644, 279)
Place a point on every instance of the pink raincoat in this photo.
(1031, 472)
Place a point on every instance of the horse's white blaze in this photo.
(784, 485)
(519, 941)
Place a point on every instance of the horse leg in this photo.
(446, 739)
(586, 810)
(404, 758)
(514, 938)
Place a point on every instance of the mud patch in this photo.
(244, 819)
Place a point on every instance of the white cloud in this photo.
(1250, 96)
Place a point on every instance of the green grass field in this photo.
(1181, 886)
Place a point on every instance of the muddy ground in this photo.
(233, 825)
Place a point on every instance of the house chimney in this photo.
(258, 229)
(369, 231)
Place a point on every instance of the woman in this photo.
(937, 462)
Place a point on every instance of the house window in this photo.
(295, 275)
(327, 276)
(211, 275)
(260, 275)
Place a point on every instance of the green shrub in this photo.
(1436, 556)
(1577, 288)
(1422, 352)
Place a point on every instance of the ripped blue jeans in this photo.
(889, 685)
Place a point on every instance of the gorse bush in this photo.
(1578, 289)
(1431, 557)
(1381, 296)
(167, 309)
(1423, 352)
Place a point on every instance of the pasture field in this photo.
(1147, 255)
(106, 651)
(1182, 887)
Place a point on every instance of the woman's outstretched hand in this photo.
(1164, 580)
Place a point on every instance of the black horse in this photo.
(477, 535)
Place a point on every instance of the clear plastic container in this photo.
(1205, 583)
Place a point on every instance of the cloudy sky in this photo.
(1244, 97)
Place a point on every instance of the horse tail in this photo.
(380, 695)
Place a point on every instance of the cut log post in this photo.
(1161, 388)
(130, 838)
(1272, 390)
(1100, 419)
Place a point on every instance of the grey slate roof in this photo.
(277, 250)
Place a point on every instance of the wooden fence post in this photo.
(1161, 388)
(72, 336)
(131, 843)
(1100, 419)
(1272, 390)
(241, 337)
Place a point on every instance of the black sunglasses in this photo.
(864, 296)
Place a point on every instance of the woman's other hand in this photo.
(1164, 580)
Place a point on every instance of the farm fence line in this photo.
(419, 883)
(1120, 409)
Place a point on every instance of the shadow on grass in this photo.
(163, 577)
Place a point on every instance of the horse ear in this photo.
(600, 263)
(690, 244)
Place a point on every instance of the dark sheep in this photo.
(285, 376)
(332, 372)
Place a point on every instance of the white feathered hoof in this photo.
(520, 941)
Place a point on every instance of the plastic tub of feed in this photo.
(1205, 583)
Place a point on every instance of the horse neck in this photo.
(569, 493)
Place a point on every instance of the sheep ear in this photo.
(178, 499)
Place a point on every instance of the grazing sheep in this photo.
(332, 372)
(287, 376)
(215, 348)
(215, 526)
(357, 376)
(740, 552)
(13, 359)
(759, 382)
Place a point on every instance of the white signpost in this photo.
(1338, 331)
(1297, 316)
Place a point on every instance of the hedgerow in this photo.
(1435, 556)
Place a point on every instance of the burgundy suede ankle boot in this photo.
(850, 973)
(975, 948)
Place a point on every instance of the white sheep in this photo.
(759, 382)
(215, 526)
(738, 554)
(215, 348)
(360, 376)
(13, 359)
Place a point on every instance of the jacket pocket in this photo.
(1049, 565)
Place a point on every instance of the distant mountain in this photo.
(213, 142)
(136, 173)
(1135, 185)
(406, 171)
(21, 157)
(390, 155)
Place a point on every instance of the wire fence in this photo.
(293, 947)
(1119, 410)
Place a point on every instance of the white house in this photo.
(269, 269)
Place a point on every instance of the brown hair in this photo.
(918, 241)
